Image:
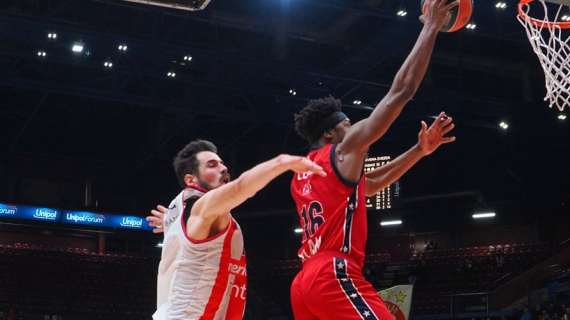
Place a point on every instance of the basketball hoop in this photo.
(549, 38)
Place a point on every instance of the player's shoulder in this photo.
(326, 157)
(322, 153)
(321, 149)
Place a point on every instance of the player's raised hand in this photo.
(156, 218)
(301, 164)
(429, 139)
(437, 13)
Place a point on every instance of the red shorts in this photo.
(331, 286)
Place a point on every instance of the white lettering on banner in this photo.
(8, 211)
(45, 214)
(131, 222)
(84, 218)
(239, 291)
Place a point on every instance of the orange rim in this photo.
(537, 22)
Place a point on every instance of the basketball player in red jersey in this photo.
(332, 209)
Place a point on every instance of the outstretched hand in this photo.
(155, 219)
(301, 165)
(429, 139)
(437, 13)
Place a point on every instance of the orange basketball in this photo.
(460, 15)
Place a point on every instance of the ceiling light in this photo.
(77, 47)
(501, 5)
(484, 215)
(391, 223)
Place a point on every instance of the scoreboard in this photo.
(385, 198)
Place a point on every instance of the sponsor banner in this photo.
(29, 213)
(105, 220)
(85, 218)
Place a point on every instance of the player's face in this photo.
(212, 172)
(340, 131)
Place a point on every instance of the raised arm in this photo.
(384, 176)
(429, 139)
(219, 202)
(405, 84)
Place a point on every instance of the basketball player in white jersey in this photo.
(202, 272)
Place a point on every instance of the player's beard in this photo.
(223, 180)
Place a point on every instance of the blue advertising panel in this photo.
(129, 222)
(8, 211)
(38, 213)
(29, 213)
(85, 218)
(105, 220)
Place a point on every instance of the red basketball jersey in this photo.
(332, 211)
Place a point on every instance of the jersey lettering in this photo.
(314, 246)
(312, 218)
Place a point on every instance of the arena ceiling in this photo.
(68, 118)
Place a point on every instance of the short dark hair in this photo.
(308, 120)
(186, 162)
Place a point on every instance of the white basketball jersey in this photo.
(203, 279)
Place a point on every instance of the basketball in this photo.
(459, 15)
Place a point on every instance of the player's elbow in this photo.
(400, 95)
(405, 86)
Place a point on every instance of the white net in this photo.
(549, 39)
